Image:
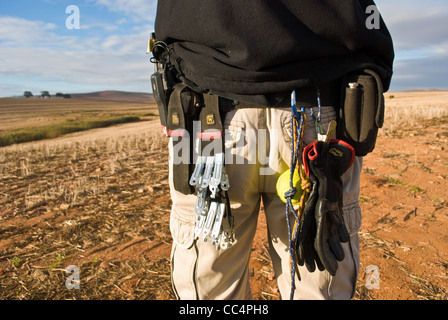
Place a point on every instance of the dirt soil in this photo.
(101, 202)
(404, 199)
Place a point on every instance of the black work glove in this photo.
(328, 162)
(306, 254)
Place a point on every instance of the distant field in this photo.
(33, 119)
(408, 108)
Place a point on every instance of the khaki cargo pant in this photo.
(258, 140)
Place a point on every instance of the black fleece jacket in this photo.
(257, 51)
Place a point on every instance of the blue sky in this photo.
(108, 52)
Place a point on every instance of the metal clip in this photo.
(226, 240)
(210, 179)
(217, 242)
(217, 174)
(198, 170)
(320, 131)
(208, 172)
(200, 201)
(218, 222)
(210, 219)
(330, 131)
(200, 221)
(227, 237)
(224, 180)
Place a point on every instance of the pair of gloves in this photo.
(322, 228)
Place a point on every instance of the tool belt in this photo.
(360, 112)
(194, 121)
(359, 101)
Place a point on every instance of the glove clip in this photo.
(330, 131)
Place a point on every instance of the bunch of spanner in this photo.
(212, 219)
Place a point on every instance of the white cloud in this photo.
(138, 10)
(420, 34)
(420, 73)
(19, 31)
(105, 26)
(414, 24)
(38, 53)
(33, 50)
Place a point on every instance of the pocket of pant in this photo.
(183, 258)
(182, 230)
(353, 218)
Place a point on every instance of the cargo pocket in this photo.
(183, 257)
(353, 218)
(182, 230)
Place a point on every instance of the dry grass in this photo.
(69, 170)
(18, 114)
(406, 110)
(72, 203)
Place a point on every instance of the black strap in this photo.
(179, 127)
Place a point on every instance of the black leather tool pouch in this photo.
(362, 111)
(182, 109)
